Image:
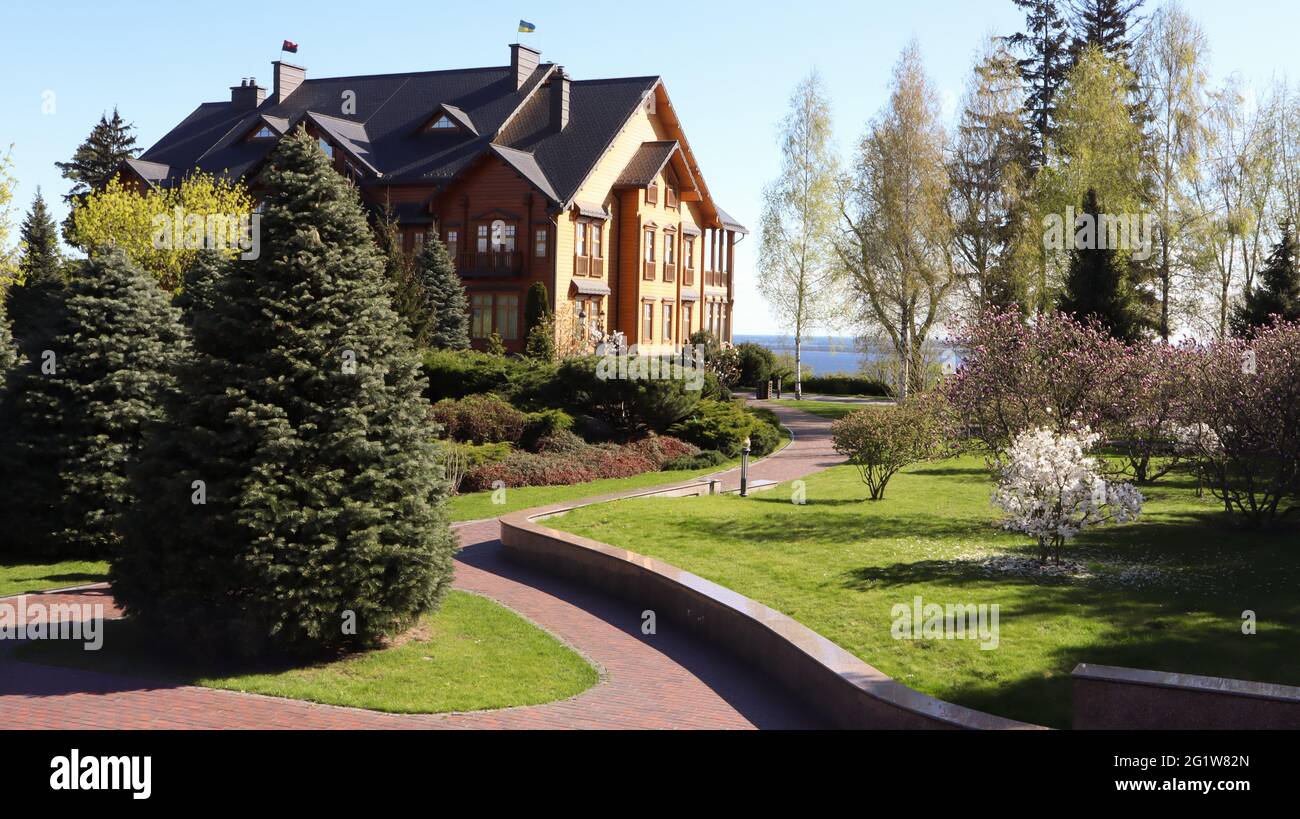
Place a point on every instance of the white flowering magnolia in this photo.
(1051, 489)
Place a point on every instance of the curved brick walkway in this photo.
(667, 680)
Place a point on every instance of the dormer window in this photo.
(264, 133)
(325, 146)
(442, 123)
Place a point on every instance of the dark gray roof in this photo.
(646, 163)
(730, 223)
(386, 134)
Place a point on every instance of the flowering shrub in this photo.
(879, 441)
(1150, 398)
(480, 419)
(564, 458)
(1056, 373)
(1242, 421)
(1051, 489)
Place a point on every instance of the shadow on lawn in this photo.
(776, 527)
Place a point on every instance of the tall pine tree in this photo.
(409, 298)
(1096, 286)
(8, 353)
(97, 158)
(1106, 24)
(200, 284)
(297, 499)
(39, 237)
(539, 324)
(1278, 290)
(447, 304)
(1043, 68)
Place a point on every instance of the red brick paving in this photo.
(667, 680)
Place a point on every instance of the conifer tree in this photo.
(297, 500)
(1043, 68)
(97, 158)
(200, 284)
(539, 341)
(408, 296)
(39, 237)
(1106, 24)
(77, 418)
(447, 304)
(1096, 286)
(8, 352)
(1278, 291)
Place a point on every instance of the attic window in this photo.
(264, 133)
(442, 123)
(325, 146)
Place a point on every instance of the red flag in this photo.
(289, 46)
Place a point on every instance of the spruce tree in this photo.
(97, 158)
(408, 296)
(1096, 287)
(297, 500)
(1043, 68)
(1278, 291)
(447, 304)
(200, 284)
(539, 339)
(8, 353)
(1106, 24)
(39, 237)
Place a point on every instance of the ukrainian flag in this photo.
(526, 27)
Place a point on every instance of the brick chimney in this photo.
(523, 62)
(247, 95)
(559, 83)
(287, 77)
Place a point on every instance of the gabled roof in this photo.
(151, 172)
(457, 116)
(351, 136)
(646, 163)
(527, 165)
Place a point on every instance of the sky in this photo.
(729, 67)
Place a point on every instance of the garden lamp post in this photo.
(744, 468)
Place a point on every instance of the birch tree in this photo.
(1172, 70)
(796, 274)
(896, 236)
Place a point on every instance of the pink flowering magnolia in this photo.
(1051, 489)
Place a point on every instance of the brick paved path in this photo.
(667, 680)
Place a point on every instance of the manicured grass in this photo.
(834, 410)
(1165, 593)
(471, 655)
(20, 578)
(479, 505)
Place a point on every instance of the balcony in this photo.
(491, 263)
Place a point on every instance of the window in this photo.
(670, 249)
(264, 133)
(596, 230)
(442, 123)
(649, 265)
(648, 321)
(580, 238)
(419, 240)
(539, 243)
(670, 197)
(325, 146)
(480, 324)
(452, 237)
(499, 312)
(507, 317)
(652, 194)
(502, 236)
(668, 321)
(483, 238)
(689, 252)
(686, 319)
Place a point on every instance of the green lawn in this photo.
(471, 655)
(20, 578)
(834, 410)
(1165, 593)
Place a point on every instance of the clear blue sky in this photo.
(729, 67)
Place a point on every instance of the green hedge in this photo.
(843, 385)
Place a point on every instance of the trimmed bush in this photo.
(757, 364)
(589, 385)
(480, 419)
(879, 441)
(724, 425)
(843, 385)
(543, 424)
(458, 373)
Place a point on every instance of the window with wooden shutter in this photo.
(649, 242)
(652, 194)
